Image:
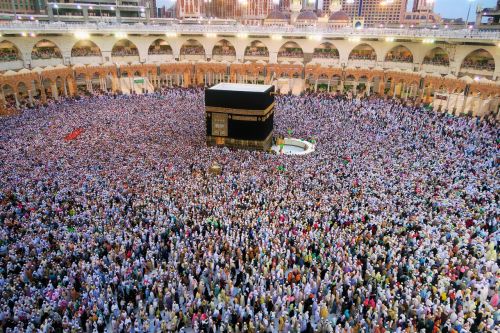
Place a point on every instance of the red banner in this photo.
(73, 135)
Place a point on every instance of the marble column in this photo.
(54, 92)
(17, 100)
(30, 97)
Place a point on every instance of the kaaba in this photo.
(240, 115)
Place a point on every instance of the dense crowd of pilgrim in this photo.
(391, 225)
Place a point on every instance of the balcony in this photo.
(477, 70)
(11, 64)
(167, 26)
(433, 68)
(398, 64)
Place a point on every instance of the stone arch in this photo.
(95, 81)
(223, 50)
(335, 82)
(9, 51)
(399, 53)
(109, 79)
(22, 91)
(326, 50)
(47, 87)
(349, 82)
(311, 76)
(37, 91)
(60, 85)
(323, 76)
(290, 51)
(363, 52)
(336, 77)
(362, 83)
(437, 56)
(21, 86)
(70, 84)
(81, 82)
(45, 49)
(363, 78)
(124, 48)
(192, 48)
(443, 89)
(85, 48)
(479, 59)
(257, 50)
(9, 94)
(160, 47)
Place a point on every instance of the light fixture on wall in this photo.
(82, 35)
(120, 34)
(389, 39)
(316, 37)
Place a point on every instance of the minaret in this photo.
(309, 5)
(295, 8)
(335, 6)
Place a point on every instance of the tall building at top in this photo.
(92, 10)
(225, 8)
(330, 6)
(153, 9)
(375, 12)
(488, 18)
(283, 5)
(257, 8)
(423, 5)
(325, 4)
(189, 8)
(310, 4)
(22, 7)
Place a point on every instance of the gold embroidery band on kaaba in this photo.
(219, 124)
(243, 112)
(244, 118)
(249, 118)
(238, 143)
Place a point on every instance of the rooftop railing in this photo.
(107, 27)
